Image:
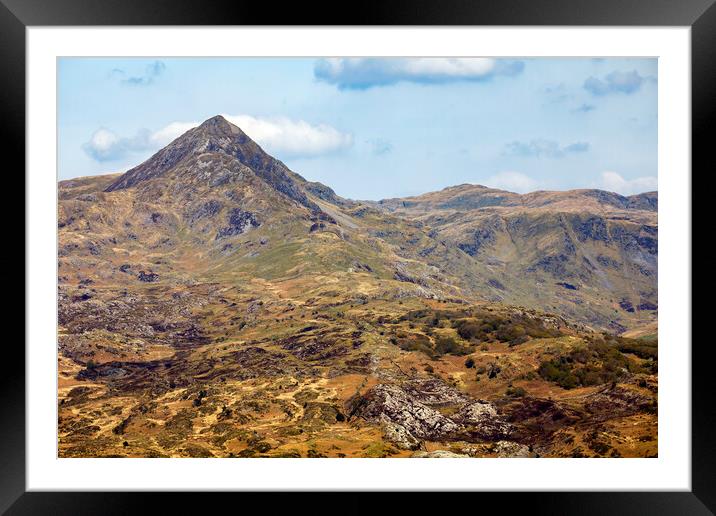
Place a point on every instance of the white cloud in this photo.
(174, 130)
(614, 182)
(101, 145)
(364, 73)
(456, 67)
(105, 145)
(292, 138)
(281, 136)
(512, 181)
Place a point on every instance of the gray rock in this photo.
(439, 454)
(407, 414)
(390, 403)
(399, 436)
(481, 420)
(506, 449)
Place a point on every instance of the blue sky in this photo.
(379, 128)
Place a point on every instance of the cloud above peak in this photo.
(283, 137)
(364, 73)
(292, 138)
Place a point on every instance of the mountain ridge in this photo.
(217, 134)
(484, 243)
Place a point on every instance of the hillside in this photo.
(589, 255)
(213, 302)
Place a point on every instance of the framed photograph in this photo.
(432, 247)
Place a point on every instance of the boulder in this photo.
(438, 454)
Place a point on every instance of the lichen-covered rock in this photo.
(390, 403)
(434, 392)
(408, 414)
(510, 449)
(481, 420)
(398, 435)
(438, 454)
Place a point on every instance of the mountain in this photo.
(217, 139)
(213, 302)
(592, 255)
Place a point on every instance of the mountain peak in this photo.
(220, 125)
(214, 120)
(217, 135)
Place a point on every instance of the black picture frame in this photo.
(17, 15)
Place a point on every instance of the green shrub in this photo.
(449, 346)
(515, 329)
(558, 371)
(647, 349)
(601, 361)
(422, 343)
(515, 392)
(414, 342)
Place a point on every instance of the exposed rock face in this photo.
(646, 305)
(239, 221)
(626, 305)
(148, 277)
(434, 392)
(391, 404)
(207, 209)
(439, 454)
(326, 193)
(509, 449)
(398, 435)
(410, 413)
(618, 401)
(481, 420)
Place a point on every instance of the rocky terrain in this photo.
(213, 303)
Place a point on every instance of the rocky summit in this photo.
(214, 303)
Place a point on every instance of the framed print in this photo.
(416, 250)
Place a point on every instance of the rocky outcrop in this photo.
(207, 209)
(409, 413)
(619, 402)
(434, 392)
(239, 221)
(438, 454)
(510, 449)
(147, 277)
(389, 404)
(480, 420)
(399, 435)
